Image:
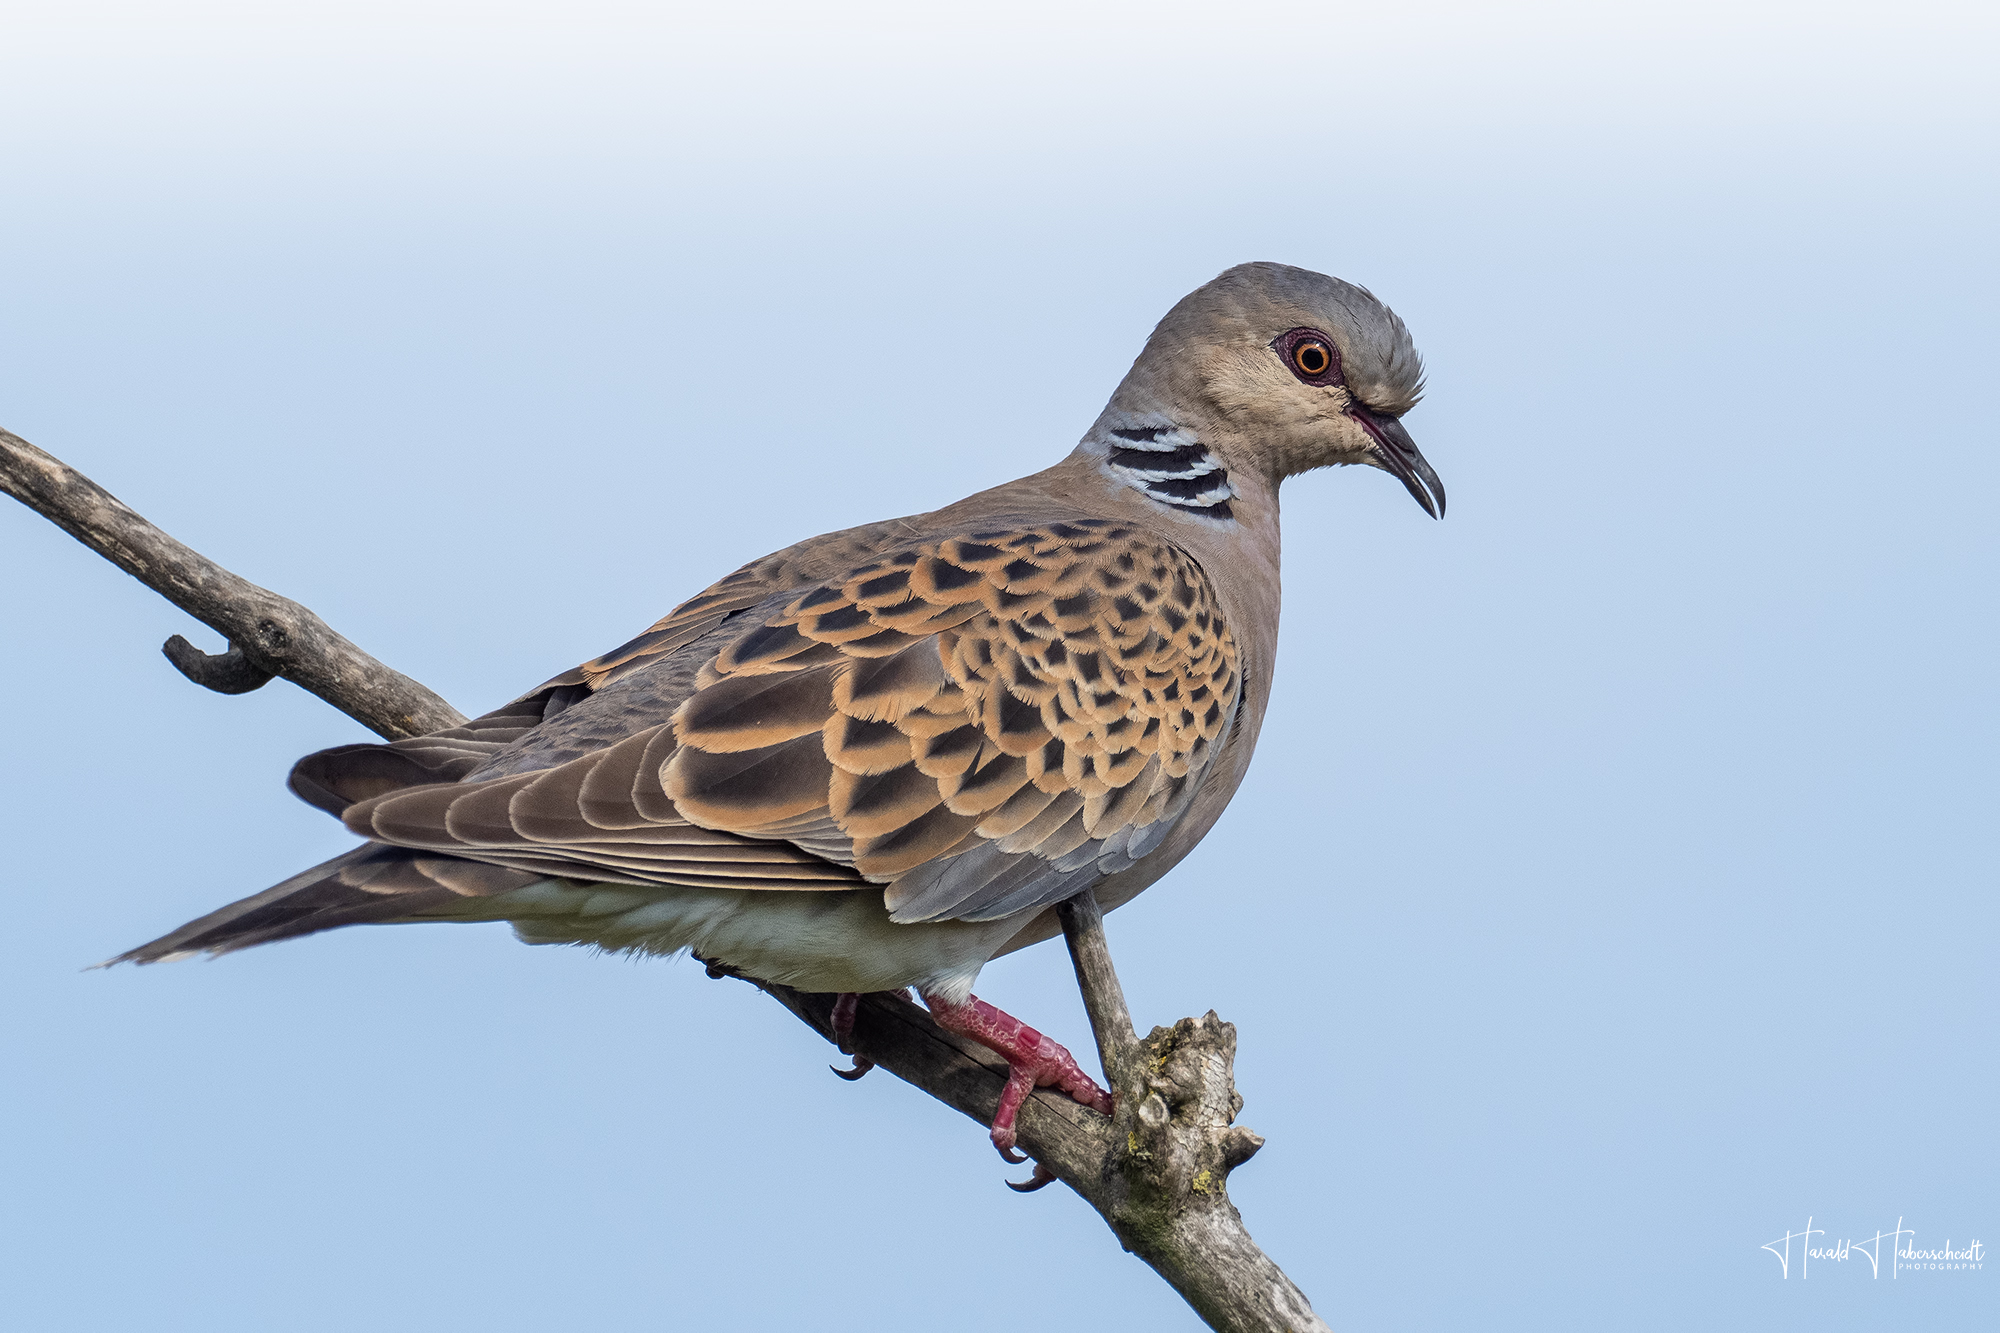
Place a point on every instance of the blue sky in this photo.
(1613, 890)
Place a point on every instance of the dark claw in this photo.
(862, 1064)
(1009, 1155)
(1043, 1176)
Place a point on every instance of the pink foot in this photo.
(844, 1008)
(1033, 1061)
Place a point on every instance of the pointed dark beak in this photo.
(1396, 453)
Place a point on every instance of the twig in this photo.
(1104, 999)
(1156, 1171)
(225, 673)
(1175, 1141)
(270, 633)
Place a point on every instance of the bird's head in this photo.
(1283, 370)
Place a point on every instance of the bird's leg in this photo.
(845, 1006)
(1033, 1061)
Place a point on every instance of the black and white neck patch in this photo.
(1171, 465)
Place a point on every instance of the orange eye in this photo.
(1310, 354)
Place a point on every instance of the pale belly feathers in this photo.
(841, 940)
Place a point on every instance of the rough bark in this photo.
(268, 635)
(1157, 1170)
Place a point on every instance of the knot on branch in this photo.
(1176, 1121)
(274, 641)
(226, 673)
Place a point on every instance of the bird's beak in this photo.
(1396, 453)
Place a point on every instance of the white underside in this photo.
(814, 940)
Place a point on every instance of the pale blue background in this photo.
(1614, 886)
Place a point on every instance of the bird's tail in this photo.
(373, 884)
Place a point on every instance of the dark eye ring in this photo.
(1311, 355)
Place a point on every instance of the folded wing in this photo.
(981, 724)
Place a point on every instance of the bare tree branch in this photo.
(1110, 1020)
(1157, 1170)
(266, 632)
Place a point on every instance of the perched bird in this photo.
(880, 757)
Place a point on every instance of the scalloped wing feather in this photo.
(982, 725)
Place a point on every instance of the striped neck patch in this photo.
(1170, 465)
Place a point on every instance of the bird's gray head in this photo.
(1276, 369)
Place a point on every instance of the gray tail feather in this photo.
(374, 883)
